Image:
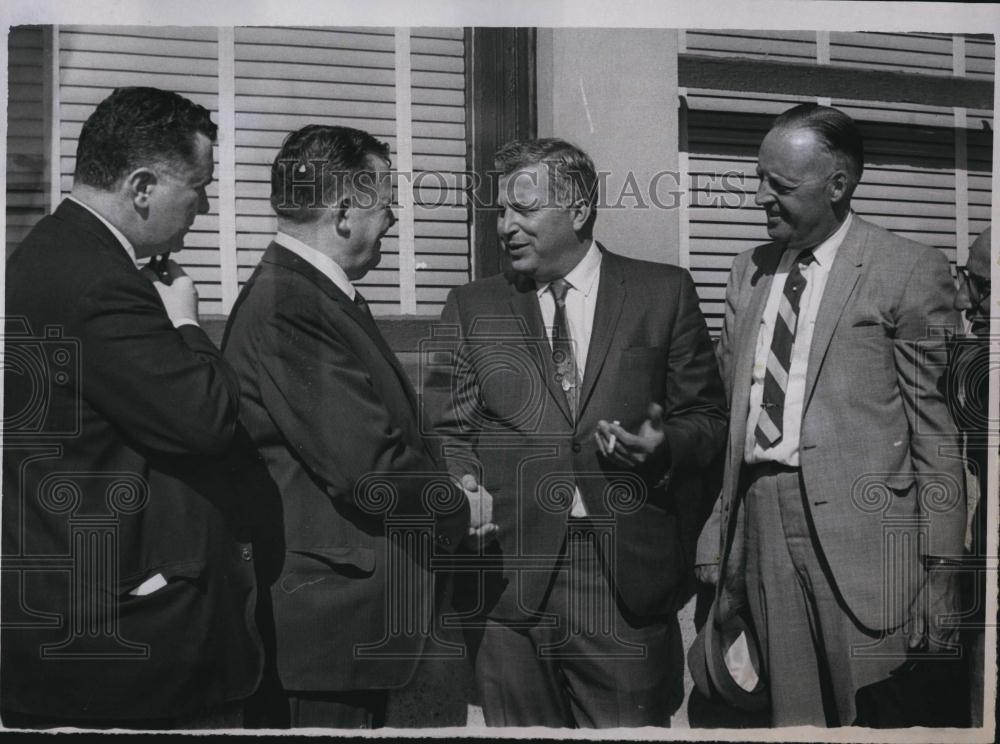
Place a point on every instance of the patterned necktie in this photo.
(562, 347)
(769, 426)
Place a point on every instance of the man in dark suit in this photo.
(128, 582)
(581, 392)
(841, 510)
(364, 504)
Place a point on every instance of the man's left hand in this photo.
(633, 450)
(935, 613)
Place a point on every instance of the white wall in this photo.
(613, 92)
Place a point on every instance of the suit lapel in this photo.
(749, 313)
(280, 256)
(524, 302)
(610, 301)
(844, 275)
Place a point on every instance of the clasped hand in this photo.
(482, 529)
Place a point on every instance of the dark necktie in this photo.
(363, 305)
(562, 347)
(769, 426)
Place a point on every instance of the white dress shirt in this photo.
(581, 302)
(323, 263)
(786, 452)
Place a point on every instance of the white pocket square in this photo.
(149, 586)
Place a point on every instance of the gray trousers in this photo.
(817, 655)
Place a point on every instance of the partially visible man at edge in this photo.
(969, 388)
(128, 582)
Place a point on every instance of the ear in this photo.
(140, 185)
(580, 212)
(838, 186)
(341, 216)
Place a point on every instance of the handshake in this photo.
(482, 530)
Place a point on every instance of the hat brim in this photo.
(707, 663)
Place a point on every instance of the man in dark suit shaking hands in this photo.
(335, 418)
(128, 580)
(584, 397)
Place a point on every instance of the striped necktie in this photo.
(562, 347)
(769, 426)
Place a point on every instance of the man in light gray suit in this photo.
(841, 512)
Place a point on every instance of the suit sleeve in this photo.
(167, 389)
(709, 547)
(695, 415)
(319, 394)
(451, 393)
(724, 349)
(925, 320)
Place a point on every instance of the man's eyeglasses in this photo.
(979, 288)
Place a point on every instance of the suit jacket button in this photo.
(246, 554)
(577, 447)
(444, 540)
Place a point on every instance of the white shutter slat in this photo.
(372, 39)
(265, 105)
(162, 65)
(902, 52)
(310, 89)
(177, 33)
(794, 46)
(119, 44)
(111, 79)
(330, 73)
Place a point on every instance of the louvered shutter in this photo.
(441, 218)
(909, 184)
(94, 60)
(287, 78)
(27, 186)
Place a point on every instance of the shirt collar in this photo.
(583, 276)
(826, 251)
(326, 265)
(114, 230)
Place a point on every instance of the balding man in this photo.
(841, 514)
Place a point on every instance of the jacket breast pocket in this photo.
(306, 567)
(866, 330)
(640, 381)
(160, 585)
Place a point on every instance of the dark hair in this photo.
(572, 175)
(135, 127)
(834, 128)
(325, 163)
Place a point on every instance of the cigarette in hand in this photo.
(612, 440)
